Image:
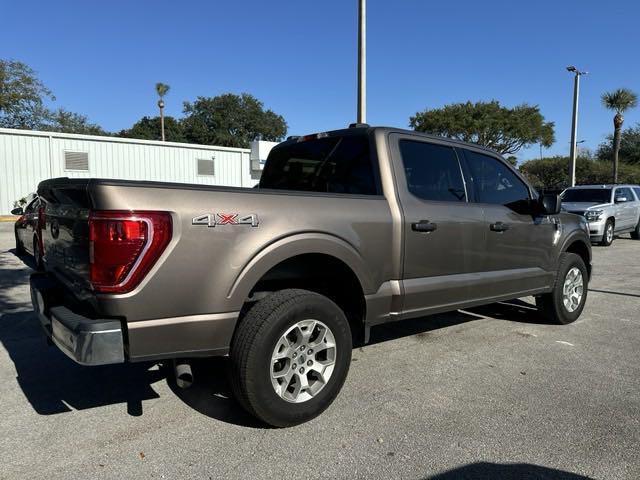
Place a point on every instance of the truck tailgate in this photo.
(65, 232)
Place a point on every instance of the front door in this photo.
(443, 236)
(519, 249)
(625, 211)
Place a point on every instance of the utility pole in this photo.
(574, 124)
(362, 61)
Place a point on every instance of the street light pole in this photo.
(574, 124)
(161, 106)
(362, 61)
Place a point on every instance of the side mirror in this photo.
(17, 211)
(621, 199)
(550, 204)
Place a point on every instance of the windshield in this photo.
(590, 195)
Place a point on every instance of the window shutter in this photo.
(206, 167)
(76, 161)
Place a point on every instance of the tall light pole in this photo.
(161, 107)
(161, 89)
(362, 61)
(574, 123)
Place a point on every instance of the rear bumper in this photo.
(85, 340)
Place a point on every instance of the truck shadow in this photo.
(50, 381)
(510, 471)
(54, 384)
(211, 392)
(514, 311)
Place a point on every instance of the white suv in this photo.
(609, 209)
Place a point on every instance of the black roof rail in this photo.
(358, 125)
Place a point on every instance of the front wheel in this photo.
(607, 237)
(565, 303)
(37, 254)
(290, 356)
(636, 232)
(19, 247)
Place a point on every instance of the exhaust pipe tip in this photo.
(183, 373)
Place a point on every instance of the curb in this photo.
(7, 218)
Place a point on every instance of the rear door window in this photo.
(495, 183)
(637, 192)
(432, 171)
(329, 164)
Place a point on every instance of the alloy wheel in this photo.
(573, 290)
(303, 361)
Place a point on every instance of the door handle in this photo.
(499, 227)
(424, 226)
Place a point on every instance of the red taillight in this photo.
(123, 246)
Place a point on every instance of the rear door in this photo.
(519, 246)
(443, 236)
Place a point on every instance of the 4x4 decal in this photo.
(213, 219)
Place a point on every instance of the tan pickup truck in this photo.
(347, 230)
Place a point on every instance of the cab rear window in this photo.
(329, 164)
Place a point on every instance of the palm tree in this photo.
(161, 89)
(618, 101)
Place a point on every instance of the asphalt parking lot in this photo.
(489, 393)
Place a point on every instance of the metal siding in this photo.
(26, 158)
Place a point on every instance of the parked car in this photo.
(349, 229)
(610, 209)
(27, 230)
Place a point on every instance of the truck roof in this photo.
(364, 129)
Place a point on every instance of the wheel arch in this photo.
(316, 262)
(580, 248)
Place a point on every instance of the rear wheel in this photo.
(290, 357)
(607, 237)
(566, 302)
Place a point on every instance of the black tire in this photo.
(37, 255)
(253, 345)
(607, 239)
(635, 234)
(551, 305)
(19, 247)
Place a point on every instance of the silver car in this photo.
(610, 209)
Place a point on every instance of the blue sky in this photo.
(102, 59)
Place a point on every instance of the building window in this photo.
(206, 167)
(76, 161)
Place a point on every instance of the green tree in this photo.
(148, 128)
(505, 130)
(552, 173)
(629, 146)
(231, 120)
(618, 101)
(22, 96)
(64, 121)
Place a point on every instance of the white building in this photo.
(27, 157)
